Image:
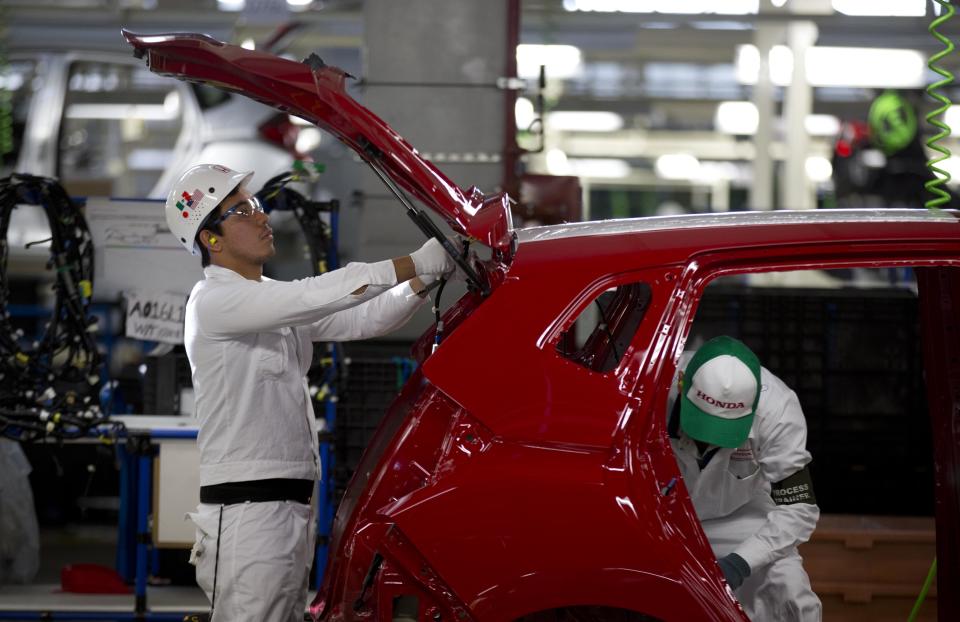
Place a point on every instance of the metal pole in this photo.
(144, 486)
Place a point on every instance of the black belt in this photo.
(229, 493)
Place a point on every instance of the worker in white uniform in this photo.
(740, 436)
(249, 341)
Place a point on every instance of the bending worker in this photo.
(249, 341)
(740, 439)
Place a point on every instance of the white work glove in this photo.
(431, 258)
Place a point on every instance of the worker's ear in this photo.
(210, 240)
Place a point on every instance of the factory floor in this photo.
(86, 544)
(865, 569)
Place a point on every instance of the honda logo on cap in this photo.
(718, 403)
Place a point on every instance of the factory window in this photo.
(599, 337)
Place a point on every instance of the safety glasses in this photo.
(245, 209)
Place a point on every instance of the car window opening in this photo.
(599, 337)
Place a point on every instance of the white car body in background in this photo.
(104, 125)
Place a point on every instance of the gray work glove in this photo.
(431, 258)
(735, 569)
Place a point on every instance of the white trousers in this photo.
(777, 592)
(265, 552)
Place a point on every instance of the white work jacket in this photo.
(735, 484)
(249, 345)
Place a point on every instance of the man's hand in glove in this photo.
(735, 569)
(431, 258)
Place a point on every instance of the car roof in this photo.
(733, 219)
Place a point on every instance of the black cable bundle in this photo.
(276, 195)
(50, 388)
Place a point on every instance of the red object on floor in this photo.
(92, 579)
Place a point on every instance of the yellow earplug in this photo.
(213, 239)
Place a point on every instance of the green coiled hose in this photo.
(934, 186)
(923, 592)
(941, 177)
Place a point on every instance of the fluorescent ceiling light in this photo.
(677, 166)
(308, 139)
(748, 64)
(818, 169)
(584, 121)
(722, 25)
(736, 118)
(952, 118)
(822, 125)
(883, 8)
(610, 168)
(692, 7)
(149, 112)
(231, 5)
(711, 172)
(952, 167)
(838, 66)
(297, 4)
(742, 118)
(562, 61)
(298, 121)
(866, 67)
(524, 112)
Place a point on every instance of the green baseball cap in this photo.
(719, 393)
(893, 122)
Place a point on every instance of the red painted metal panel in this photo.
(940, 307)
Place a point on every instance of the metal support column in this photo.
(797, 192)
(326, 503)
(126, 521)
(144, 452)
(761, 191)
(466, 49)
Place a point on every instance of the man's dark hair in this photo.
(215, 229)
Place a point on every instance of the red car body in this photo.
(513, 478)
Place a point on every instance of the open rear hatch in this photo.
(315, 91)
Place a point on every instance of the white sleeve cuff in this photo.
(382, 273)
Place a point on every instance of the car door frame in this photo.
(938, 271)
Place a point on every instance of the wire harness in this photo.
(48, 388)
(276, 195)
(941, 177)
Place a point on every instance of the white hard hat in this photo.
(197, 193)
